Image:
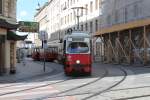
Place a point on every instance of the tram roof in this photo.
(77, 34)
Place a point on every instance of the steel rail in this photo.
(110, 87)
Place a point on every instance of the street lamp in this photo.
(78, 15)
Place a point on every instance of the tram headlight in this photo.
(78, 61)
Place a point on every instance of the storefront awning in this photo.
(5, 24)
(124, 26)
(13, 36)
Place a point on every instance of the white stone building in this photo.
(57, 16)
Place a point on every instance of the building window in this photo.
(61, 21)
(116, 16)
(81, 27)
(10, 7)
(136, 10)
(74, 15)
(74, 28)
(91, 6)
(74, 1)
(65, 19)
(108, 19)
(81, 12)
(71, 17)
(65, 7)
(86, 7)
(70, 2)
(1, 7)
(86, 26)
(96, 4)
(96, 25)
(91, 27)
(68, 18)
(125, 14)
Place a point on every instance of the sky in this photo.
(26, 9)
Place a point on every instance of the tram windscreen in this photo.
(78, 47)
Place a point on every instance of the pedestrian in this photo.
(23, 57)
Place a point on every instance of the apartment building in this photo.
(125, 31)
(61, 15)
(89, 13)
(7, 36)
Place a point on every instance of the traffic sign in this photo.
(43, 35)
(44, 44)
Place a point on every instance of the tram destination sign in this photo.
(26, 26)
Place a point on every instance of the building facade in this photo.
(125, 31)
(41, 17)
(57, 16)
(7, 43)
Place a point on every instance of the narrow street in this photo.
(45, 45)
(107, 82)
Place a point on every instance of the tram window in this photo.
(78, 47)
(64, 48)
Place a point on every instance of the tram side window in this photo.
(64, 47)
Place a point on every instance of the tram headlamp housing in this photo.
(78, 61)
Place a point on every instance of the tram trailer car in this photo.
(51, 54)
(36, 54)
(77, 53)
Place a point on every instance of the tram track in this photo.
(124, 94)
(36, 87)
(77, 87)
(134, 97)
(68, 79)
(108, 88)
(59, 94)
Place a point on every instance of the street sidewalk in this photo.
(30, 69)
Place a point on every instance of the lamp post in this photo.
(44, 38)
(78, 14)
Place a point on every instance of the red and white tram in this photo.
(77, 53)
